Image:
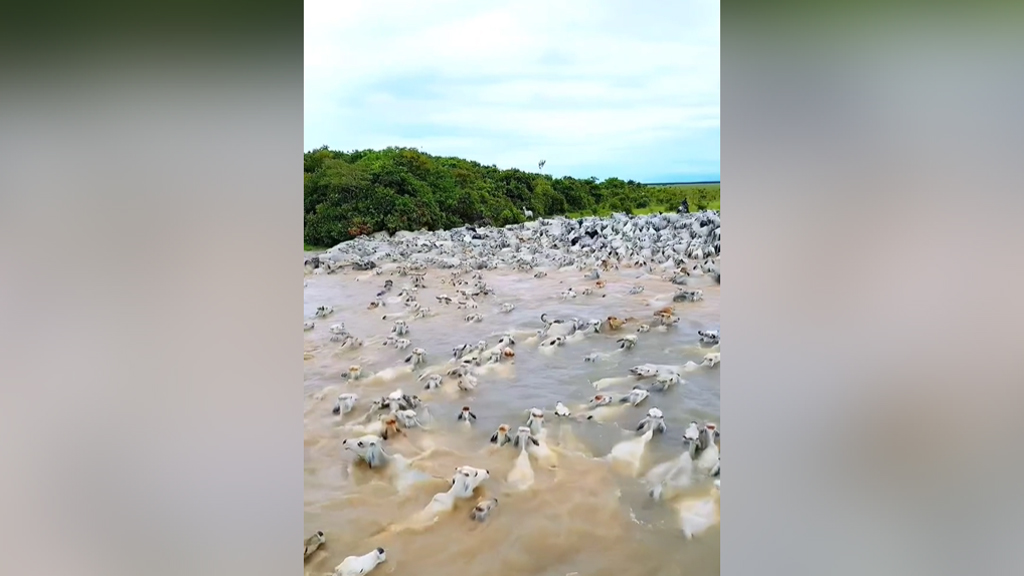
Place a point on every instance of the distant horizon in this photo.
(598, 89)
(658, 178)
(681, 183)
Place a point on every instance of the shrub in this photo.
(351, 194)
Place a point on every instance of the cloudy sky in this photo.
(595, 87)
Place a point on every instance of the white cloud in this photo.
(595, 87)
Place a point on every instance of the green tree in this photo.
(348, 194)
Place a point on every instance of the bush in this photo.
(351, 194)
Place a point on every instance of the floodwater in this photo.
(584, 517)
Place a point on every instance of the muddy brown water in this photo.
(583, 517)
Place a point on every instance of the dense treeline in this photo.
(348, 194)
